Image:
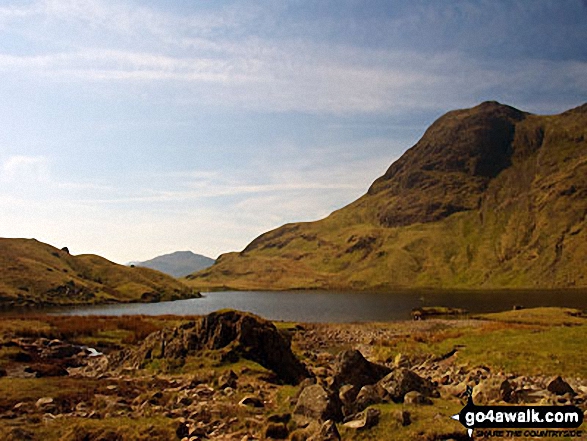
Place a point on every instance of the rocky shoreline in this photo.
(234, 376)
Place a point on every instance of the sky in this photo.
(131, 129)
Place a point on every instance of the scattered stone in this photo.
(402, 416)
(279, 418)
(558, 386)
(182, 430)
(44, 401)
(401, 381)
(401, 361)
(347, 395)
(58, 350)
(493, 390)
(328, 432)
(316, 403)
(276, 431)
(367, 396)
(251, 400)
(228, 379)
(416, 398)
(365, 420)
(352, 368)
(47, 370)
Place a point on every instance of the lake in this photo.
(345, 306)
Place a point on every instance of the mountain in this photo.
(34, 273)
(178, 264)
(489, 197)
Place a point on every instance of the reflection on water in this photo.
(346, 306)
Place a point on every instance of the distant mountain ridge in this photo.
(178, 264)
(489, 197)
(35, 273)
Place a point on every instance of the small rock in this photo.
(558, 386)
(367, 396)
(22, 406)
(402, 416)
(251, 400)
(416, 398)
(44, 401)
(228, 379)
(276, 431)
(279, 418)
(365, 420)
(182, 430)
(328, 432)
(347, 395)
(492, 390)
(401, 361)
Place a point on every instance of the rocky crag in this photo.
(490, 197)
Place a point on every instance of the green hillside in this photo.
(490, 197)
(34, 273)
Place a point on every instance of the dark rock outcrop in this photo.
(235, 334)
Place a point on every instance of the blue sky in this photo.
(136, 128)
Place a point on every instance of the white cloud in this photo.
(23, 169)
(199, 62)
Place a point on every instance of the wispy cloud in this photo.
(22, 169)
(199, 55)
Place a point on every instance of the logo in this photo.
(522, 418)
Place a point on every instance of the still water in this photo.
(330, 306)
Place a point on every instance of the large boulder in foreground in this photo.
(352, 368)
(317, 403)
(235, 333)
(399, 382)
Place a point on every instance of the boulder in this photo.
(352, 368)
(235, 334)
(401, 381)
(276, 431)
(364, 420)
(416, 398)
(279, 418)
(492, 390)
(367, 396)
(316, 403)
(402, 416)
(328, 432)
(251, 400)
(558, 386)
(347, 395)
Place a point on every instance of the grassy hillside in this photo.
(34, 273)
(490, 197)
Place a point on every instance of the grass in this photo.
(508, 236)
(34, 273)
